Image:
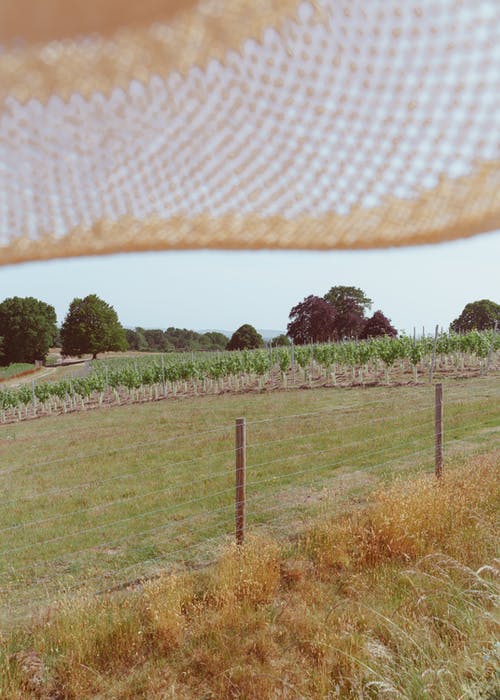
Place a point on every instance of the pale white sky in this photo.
(420, 286)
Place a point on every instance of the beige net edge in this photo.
(437, 216)
(191, 38)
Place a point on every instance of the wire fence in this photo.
(95, 520)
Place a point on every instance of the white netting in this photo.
(354, 123)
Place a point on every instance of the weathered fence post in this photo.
(438, 430)
(240, 479)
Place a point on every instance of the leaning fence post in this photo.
(240, 479)
(438, 430)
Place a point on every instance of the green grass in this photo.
(95, 499)
(396, 598)
(12, 370)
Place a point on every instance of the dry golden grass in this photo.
(395, 600)
(414, 518)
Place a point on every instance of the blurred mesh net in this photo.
(246, 124)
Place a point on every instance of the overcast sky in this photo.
(419, 286)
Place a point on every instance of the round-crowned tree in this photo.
(478, 315)
(91, 326)
(245, 338)
(378, 325)
(27, 329)
(313, 320)
(350, 304)
(348, 298)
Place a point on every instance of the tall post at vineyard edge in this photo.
(438, 430)
(241, 440)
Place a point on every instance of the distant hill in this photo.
(266, 333)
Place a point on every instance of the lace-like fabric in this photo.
(246, 124)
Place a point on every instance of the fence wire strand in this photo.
(203, 479)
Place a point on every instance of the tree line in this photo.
(174, 340)
(28, 327)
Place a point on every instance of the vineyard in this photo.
(384, 360)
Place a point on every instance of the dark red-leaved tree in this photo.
(377, 325)
(349, 322)
(479, 315)
(313, 320)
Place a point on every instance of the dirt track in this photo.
(48, 373)
(27, 378)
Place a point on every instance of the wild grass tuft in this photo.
(455, 515)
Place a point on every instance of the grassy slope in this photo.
(12, 370)
(394, 600)
(103, 497)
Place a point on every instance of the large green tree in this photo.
(27, 328)
(91, 326)
(345, 299)
(246, 337)
(478, 315)
(350, 304)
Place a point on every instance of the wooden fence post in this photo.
(241, 440)
(438, 430)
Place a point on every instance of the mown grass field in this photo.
(396, 598)
(95, 499)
